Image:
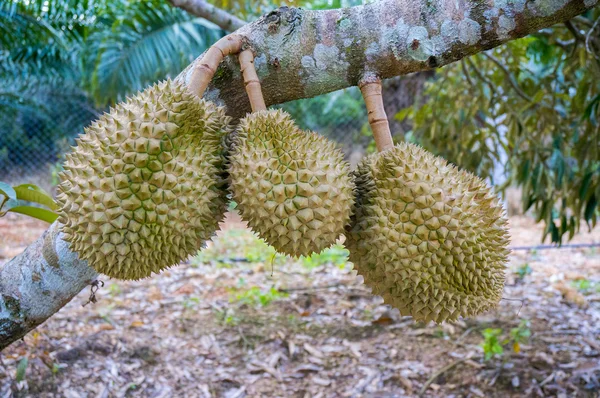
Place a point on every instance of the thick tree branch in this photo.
(304, 53)
(37, 283)
(202, 9)
(299, 54)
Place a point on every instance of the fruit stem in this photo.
(370, 88)
(257, 102)
(205, 69)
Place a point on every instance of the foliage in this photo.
(22, 369)
(532, 108)
(336, 255)
(15, 199)
(61, 61)
(257, 297)
(494, 342)
(139, 44)
(586, 286)
(524, 270)
(491, 344)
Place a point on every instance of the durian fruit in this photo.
(143, 189)
(292, 187)
(427, 237)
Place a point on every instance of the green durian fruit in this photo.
(143, 189)
(292, 187)
(429, 238)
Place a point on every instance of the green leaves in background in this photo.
(13, 199)
(528, 110)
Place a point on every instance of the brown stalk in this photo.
(253, 89)
(371, 91)
(206, 68)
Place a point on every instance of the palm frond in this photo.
(148, 41)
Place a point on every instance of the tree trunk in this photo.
(299, 54)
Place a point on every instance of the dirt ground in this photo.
(240, 321)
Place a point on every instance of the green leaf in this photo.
(7, 191)
(21, 369)
(403, 114)
(590, 208)
(36, 212)
(33, 193)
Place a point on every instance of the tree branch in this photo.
(305, 53)
(37, 283)
(202, 9)
(299, 54)
(510, 77)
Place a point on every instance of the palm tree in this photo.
(62, 61)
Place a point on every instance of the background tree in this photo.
(529, 110)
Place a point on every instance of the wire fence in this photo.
(32, 141)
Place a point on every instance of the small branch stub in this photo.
(371, 91)
(251, 82)
(206, 68)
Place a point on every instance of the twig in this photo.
(576, 34)
(253, 89)
(243, 336)
(95, 286)
(205, 69)
(463, 64)
(582, 20)
(482, 77)
(462, 336)
(513, 299)
(203, 9)
(587, 39)
(510, 77)
(300, 289)
(439, 373)
(370, 87)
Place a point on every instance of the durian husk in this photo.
(292, 187)
(429, 238)
(143, 189)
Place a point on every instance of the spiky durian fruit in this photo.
(142, 189)
(427, 237)
(292, 187)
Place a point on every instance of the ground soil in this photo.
(239, 322)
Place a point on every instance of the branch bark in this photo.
(299, 54)
(202, 9)
(37, 283)
(304, 53)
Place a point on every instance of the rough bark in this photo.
(299, 54)
(399, 92)
(304, 53)
(37, 283)
(202, 9)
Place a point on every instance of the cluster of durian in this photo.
(143, 189)
(146, 187)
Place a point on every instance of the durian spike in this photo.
(206, 68)
(370, 88)
(253, 89)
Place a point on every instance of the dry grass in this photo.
(238, 321)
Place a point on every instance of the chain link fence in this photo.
(33, 139)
